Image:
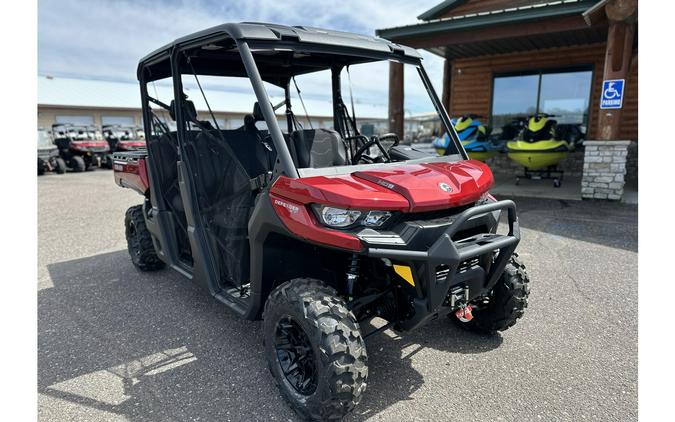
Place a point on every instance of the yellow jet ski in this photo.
(538, 150)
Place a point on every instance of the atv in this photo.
(48, 155)
(316, 231)
(123, 137)
(81, 147)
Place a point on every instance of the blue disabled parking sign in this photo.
(612, 93)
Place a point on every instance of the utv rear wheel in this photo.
(60, 166)
(506, 303)
(77, 164)
(314, 349)
(108, 162)
(139, 241)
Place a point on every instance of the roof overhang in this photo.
(545, 25)
(439, 9)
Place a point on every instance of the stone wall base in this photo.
(604, 169)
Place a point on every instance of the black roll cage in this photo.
(245, 48)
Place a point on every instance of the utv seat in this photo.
(318, 148)
(217, 166)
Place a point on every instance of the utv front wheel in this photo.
(60, 166)
(139, 241)
(506, 303)
(77, 163)
(314, 349)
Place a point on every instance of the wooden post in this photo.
(396, 98)
(618, 55)
(447, 84)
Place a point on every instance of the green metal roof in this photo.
(439, 8)
(487, 19)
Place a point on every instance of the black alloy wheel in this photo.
(296, 357)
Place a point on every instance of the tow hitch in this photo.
(460, 297)
(464, 313)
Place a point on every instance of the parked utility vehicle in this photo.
(48, 154)
(81, 146)
(309, 229)
(124, 137)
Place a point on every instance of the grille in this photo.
(437, 215)
(442, 271)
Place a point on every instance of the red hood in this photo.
(132, 143)
(408, 187)
(89, 143)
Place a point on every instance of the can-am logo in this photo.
(292, 208)
(445, 187)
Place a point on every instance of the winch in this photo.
(459, 297)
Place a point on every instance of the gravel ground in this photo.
(117, 344)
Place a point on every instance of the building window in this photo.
(76, 120)
(565, 94)
(118, 120)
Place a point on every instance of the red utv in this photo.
(316, 231)
(81, 147)
(124, 137)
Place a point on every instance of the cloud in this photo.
(105, 39)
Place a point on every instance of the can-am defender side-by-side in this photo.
(124, 137)
(82, 147)
(317, 231)
(48, 154)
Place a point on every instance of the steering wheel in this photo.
(359, 154)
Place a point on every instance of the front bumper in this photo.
(473, 263)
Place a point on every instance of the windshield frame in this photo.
(360, 57)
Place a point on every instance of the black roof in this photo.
(216, 39)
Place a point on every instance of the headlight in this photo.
(337, 217)
(341, 218)
(376, 218)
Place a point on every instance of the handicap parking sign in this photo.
(612, 93)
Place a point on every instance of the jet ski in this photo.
(538, 150)
(474, 137)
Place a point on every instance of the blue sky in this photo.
(104, 39)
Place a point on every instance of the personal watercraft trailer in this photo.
(81, 147)
(539, 149)
(308, 229)
(48, 154)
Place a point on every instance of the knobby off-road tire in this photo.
(60, 166)
(507, 303)
(107, 162)
(41, 167)
(77, 164)
(139, 242)
(338, 351)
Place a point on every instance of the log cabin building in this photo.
(504, 58)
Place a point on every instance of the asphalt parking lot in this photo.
(117, 344)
